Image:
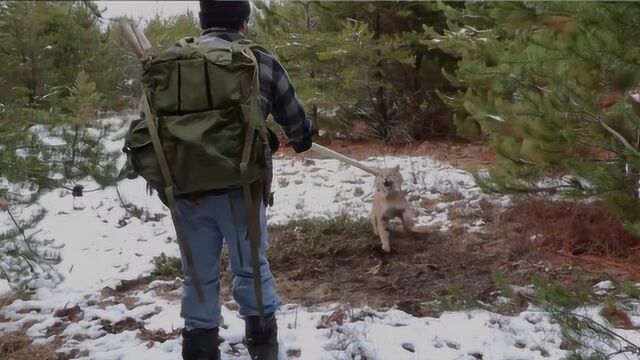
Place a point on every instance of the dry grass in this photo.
(570, 227)
(17, 346)
(571, 234)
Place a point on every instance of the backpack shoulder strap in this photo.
(170, 194)
(246, 43)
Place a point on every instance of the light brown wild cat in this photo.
(389, 202)
(388, 199)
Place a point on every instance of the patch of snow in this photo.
(603, 287)
(5, 288)
(308, 188)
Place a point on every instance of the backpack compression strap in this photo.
(253, 195)
(171, 199)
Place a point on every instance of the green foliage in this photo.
(453, 300)
(167, 266)
(49, 149)
(44, 45)
(315, 236)
(164, 32)
(502, 283)
(629, 289)
(57, 72)
(360, 62)
(22, 260)
(546, 83)
(575, 356)
(558, 294)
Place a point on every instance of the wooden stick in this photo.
(335, 155)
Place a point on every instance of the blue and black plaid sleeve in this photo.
(279, 99)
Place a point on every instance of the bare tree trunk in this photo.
(25, 41)
(314, 109)
(380, 105)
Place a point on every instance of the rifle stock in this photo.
(134, 37)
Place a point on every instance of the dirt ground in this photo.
(420, 268)
(458, 266)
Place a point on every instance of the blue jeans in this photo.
(208, 222)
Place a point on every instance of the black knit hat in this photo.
(223, 14)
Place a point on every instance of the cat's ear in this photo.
(396, 168)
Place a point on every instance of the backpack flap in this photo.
(206, 105)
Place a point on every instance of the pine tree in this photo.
(164, 32)
(546, 83)
(358, 61)
(59, 68)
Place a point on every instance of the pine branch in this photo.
(620, 138)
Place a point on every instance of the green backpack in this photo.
(203, 130)
(206, 106)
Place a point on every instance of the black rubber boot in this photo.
(261, 341)
(200, 344)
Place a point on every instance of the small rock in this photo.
(294, 353)
(283, 182)
(476, 355)
(453, 345)
(358, 192)
(232, 305)
(79, 337)
(409, 347)
(107, 291)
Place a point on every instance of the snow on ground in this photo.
(324, 188)
(100, 246)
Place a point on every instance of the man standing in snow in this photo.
(215, 216)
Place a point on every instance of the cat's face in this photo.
(389, 179)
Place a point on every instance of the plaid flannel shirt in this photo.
(277, 93)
